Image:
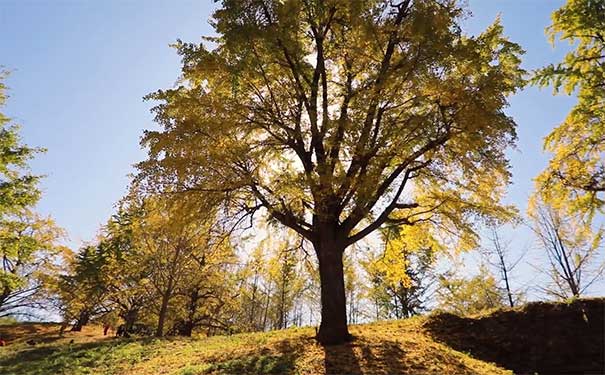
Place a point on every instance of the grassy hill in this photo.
(536, 338)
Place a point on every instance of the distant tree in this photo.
(570, 190)
(29, 244)
(404, 298)
(155, 264)
(253, 291)
(83, 289)
(126, 272)
(311, 298)
(572, 248)
(168, 239)
(400, 276)
(286, 276)
(323, 113)
(468, 296)
(106, 277)
(18, 188)
(498, 255)
(353, 289)
(575, 176)
(206, 303)
(30, 251)
(274, 283)
(164, 248)
(206, 300)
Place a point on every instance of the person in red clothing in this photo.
(2, 342)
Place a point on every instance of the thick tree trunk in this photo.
(333, 328)
(162, 315)
(130, 317)
(82, 320)
(186, 328)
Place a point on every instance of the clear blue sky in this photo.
(81, 68)
(79, 71)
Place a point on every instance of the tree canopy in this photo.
(337, 118)
(28, 242)
(575, 176)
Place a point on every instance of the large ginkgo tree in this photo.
(337, 118)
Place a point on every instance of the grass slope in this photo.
(398, 347)
(439, 344)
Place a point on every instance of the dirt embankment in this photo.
(542, 338)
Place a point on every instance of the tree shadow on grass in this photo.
(63, 358)
(303, 354)
(341, 359)
(361, 356)
(392, 357)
